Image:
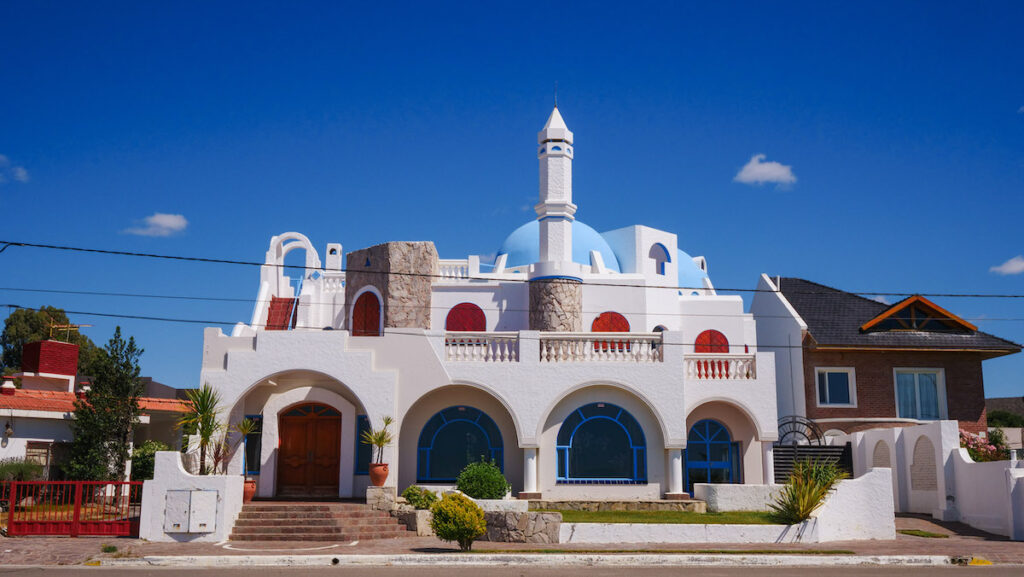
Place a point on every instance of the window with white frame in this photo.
(920, 394)
(836, 387)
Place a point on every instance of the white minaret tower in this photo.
(555, 210)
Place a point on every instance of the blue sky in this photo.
(901, 123)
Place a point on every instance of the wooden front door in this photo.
(309, 454)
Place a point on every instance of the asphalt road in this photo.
(441, 571)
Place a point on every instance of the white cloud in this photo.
(881, 299)
(4, 161)
(1020, 110)
(757, 171)
(160, 224)
(19, 173)
(1013, 266)
(9, 172)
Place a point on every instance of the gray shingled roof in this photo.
(834, 317)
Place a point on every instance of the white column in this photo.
(768, 462)
(675, 470)
(530, 470)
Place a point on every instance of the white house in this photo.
(587, 365)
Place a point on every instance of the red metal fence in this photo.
(71, 508)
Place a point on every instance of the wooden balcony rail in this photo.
(485, 347)
(601, 347)
(716, 367)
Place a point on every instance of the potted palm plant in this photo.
(244, 428)
(378, 439)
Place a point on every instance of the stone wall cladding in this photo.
(876, 389)
(406, 296)
(532, 527)
(692, 505)
(556, 305)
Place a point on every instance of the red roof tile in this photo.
(64, 402)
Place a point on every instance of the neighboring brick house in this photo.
(862, 364)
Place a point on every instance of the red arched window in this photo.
(366, 316)
(465, 317)
(610, 322)
(711, 342)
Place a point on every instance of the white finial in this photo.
(554, 129)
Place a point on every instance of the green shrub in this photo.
(1005, 419)
(15, 469)
(419, 497)
(456, 518)
(483, 480)
(805, 490)
(144, 459)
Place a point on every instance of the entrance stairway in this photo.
(286, 521)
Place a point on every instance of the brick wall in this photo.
(876, 387)
(50, 357)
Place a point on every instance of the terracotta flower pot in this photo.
(248, 490)
(378, 474)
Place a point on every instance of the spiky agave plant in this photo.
(805, 490)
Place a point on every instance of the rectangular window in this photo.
(920, 394)
(364, 452)
(254, 446)
(39, 453)
(836, 387)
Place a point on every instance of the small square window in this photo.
(836, 387)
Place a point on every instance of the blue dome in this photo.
(690, 275)
(523, 246)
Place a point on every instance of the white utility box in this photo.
(190, 511)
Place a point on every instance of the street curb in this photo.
(553, 560)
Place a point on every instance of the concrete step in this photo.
(285, 521)
(339, 515)
(339, 538)
(315, 523)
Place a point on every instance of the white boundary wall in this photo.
(168, 475)
(857, 509)
(931, 474)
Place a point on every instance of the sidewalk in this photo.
(962, 542)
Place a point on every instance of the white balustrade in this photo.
(333, 283)
(453, 269)
(597, 347)
(482, 347)
(713, 367)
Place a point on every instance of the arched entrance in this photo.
(366, 316)
(465, 317)
(309, 455)
(711, 455)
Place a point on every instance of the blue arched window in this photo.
(601, 443)
(660, 256)
(711, 455)
(454, 438)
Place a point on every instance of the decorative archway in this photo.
(453, 438)
(309, 459)
(601, 443)
(659, 254)
(465, 317)
(366, 317)
(711, 455)
(711, 341)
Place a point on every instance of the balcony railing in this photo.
(453, 269)
(482, 347)
(713, 367)
(595, 347)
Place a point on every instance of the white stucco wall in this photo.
(683, 533)
(727, 497)
(858, 508)
(168, 476)
(780, 330)
(984, 495)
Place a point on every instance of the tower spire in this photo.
(555, 210)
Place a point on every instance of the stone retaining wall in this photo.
(531, 527)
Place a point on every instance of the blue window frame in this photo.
(601, 443)
(454, 438)
(711, 455)
(253, 447)
(364, 452)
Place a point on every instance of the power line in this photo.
(392, 331)
(433, 308)
(7, 244)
